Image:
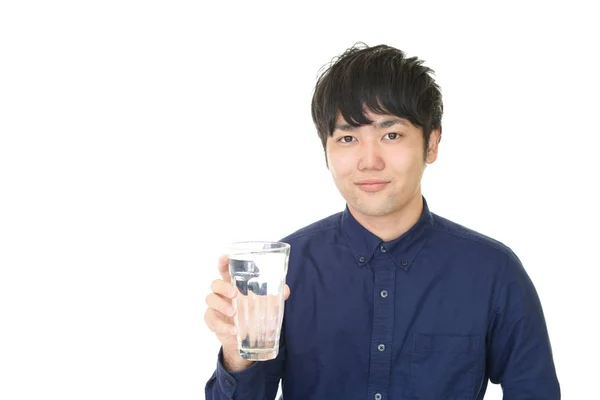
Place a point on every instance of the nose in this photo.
(370, 157)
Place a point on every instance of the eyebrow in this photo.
(381, 125)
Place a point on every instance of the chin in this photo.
(374, 210)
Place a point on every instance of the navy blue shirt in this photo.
(433, 314)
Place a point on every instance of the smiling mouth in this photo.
(372, 186)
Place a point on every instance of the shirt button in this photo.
(404, 263)
(362, 259)
(228, 382)
(377, 396)
(381, 347)
(383, 249)
(383, 293)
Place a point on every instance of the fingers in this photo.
(219, 316)
(223, 288)
(220, 304)
(217, 324)
(223, 265)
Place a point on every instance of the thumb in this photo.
(224, 268)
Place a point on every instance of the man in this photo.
(388, 300)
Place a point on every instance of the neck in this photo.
(392, 226)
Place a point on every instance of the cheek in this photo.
(405, 163)
(339, 166)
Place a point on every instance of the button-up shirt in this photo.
(434, 314)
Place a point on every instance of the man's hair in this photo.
(381, 79)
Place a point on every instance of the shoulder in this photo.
(317, 229)
(456, 233)
(474, 245)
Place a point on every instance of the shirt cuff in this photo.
(229, 381)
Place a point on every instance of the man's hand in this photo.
(220, 313)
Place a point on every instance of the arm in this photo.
(520, 355)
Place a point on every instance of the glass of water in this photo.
(258, 271)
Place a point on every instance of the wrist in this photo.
(232, 360)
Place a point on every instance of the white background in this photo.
(137, 139)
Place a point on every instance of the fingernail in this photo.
(233, 330)
(230, 312)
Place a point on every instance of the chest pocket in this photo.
(445, 367)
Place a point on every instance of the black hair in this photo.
(381, 79)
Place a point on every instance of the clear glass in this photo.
(258, 271)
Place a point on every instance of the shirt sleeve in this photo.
(520, 355)
(258, 382)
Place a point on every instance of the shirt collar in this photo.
(403, 250)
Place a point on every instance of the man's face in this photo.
(378, 167)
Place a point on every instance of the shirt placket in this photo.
(383, 325)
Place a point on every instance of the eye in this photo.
(346, 139)
(392, 135)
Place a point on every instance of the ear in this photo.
(432, 151)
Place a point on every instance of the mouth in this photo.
(372, 185)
